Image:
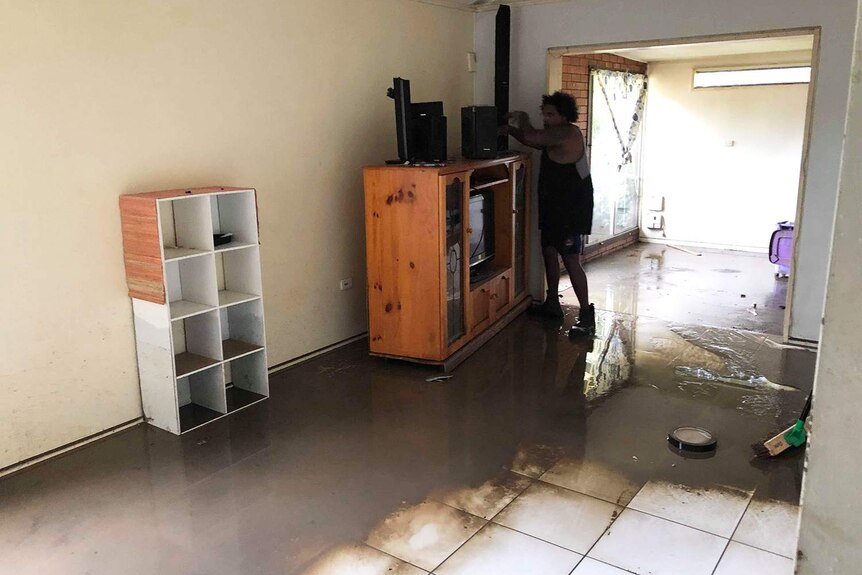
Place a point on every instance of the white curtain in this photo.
(625, 95)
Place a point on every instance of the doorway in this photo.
(711, 168)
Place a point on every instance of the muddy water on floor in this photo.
(347, 440)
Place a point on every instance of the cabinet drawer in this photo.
(500, 290)
(480, 306)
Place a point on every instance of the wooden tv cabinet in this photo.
(423, 305)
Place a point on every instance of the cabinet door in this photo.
(480, 307)
(454, 260)
(521, 203)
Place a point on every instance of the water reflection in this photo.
(609, 362)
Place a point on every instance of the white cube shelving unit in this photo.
(198, 307)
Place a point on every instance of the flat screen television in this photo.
(482, 226)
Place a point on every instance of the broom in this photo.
(793, 436)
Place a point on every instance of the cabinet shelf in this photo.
(173, 254)
(234, 348)
(482, 184)
(485, 275)
(229, 247)
(182, 309)
(188, 363)
(227, 298)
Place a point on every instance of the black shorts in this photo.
(565, 244)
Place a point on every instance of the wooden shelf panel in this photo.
(182, 253)
(238, 398)
(227, 298)
(187, 363)
(233, 348)
(482, 184)
(181, 309)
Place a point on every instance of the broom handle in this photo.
(807, 408)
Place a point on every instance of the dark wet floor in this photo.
(346, 439)
(655, 280)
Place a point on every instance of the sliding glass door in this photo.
(616, 109)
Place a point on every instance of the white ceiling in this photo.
(713, 49)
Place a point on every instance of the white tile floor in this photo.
(552, 529)
(643, 543)
(771, 526)
(715, 511)
(566, 518)
(497, 550)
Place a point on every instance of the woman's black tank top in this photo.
(565, 199)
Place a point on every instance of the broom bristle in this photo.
(772, 446)
(760, 450)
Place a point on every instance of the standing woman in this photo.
(565, 201)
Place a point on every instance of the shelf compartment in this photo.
(488, 177)
(192, 416)
(484, 274)
(236, 213)
(238, 276)
(196, 343)
(191, 286)
(248, 373)
(238, 398)
(242, 329)
(186, 227)
(201, 397)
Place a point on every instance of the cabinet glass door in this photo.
(520, 228)
(454, 259)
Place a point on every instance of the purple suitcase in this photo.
(781, 248)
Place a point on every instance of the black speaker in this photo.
(429, 138)
(501, 70)
(479, 132)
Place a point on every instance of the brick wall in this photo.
(576, 79)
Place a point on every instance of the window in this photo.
(752, 77)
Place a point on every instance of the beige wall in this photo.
(99, 99)
(716, 195)
(831, 524)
